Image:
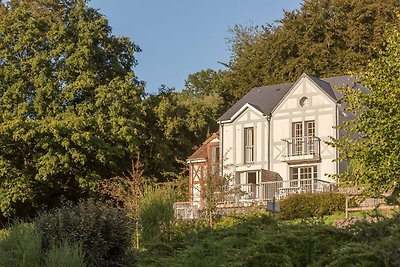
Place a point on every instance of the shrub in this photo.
(67, 255)
(21, 247)
(103, 231)
(308, 205)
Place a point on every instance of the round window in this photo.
(304, 101)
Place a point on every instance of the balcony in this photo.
(301, 149)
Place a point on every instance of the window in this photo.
(304, 101)
(310, 128)
(297, 134)
(303, 138)
(303, 176)
(246, 177)
(214, 160)
(310, 131)
(215, 154)
(248, 145)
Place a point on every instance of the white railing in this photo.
(262, 192)
(186, 210)
(301, 146)
(269, 190)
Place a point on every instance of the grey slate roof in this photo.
(266, 98)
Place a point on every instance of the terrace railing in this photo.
(269, 190)
(262, 192)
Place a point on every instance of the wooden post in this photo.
(347, 207)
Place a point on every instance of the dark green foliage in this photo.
(21, 246)
(103, 231)
(252, 240)
(176, 122)
(308, 205)
(353, 254)
(258, 240)
(372, 244)
(70, 104)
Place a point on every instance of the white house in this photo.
(271, 142)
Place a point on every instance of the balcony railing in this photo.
(301, 148)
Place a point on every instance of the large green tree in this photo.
(373, 142)
(70, 104)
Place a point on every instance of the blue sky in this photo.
(181, 37)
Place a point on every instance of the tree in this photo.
(324, 38)
(70, 103)
(176, 122)
(375, 154)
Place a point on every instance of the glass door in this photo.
(297, 135)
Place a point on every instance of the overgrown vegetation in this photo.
(238, 240)
(148, 204)
(104, 232)
(22, 247)
(259, 240)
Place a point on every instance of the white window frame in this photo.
(303, 175)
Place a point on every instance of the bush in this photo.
(21, 247)
(103, 231)
(67, 255)
(308, 205)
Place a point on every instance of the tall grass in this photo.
(66, 255)
(157, 213)
(21, 247)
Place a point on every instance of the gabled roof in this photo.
(244, 107)
(266, 98)
(201, 152)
